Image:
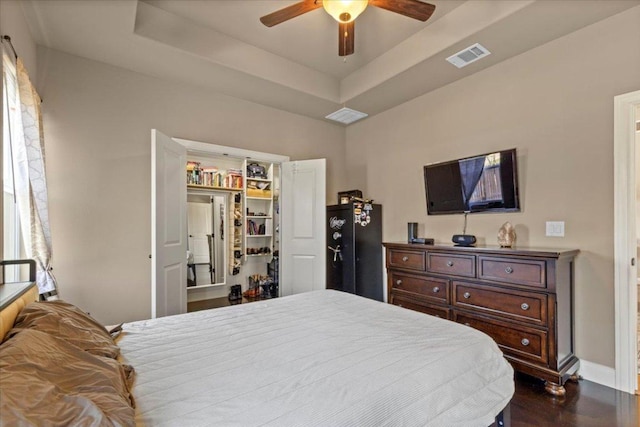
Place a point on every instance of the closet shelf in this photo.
(207, 187)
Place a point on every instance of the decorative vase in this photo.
(506, 235)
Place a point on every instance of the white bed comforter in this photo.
(322, 358)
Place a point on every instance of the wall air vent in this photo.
(468, 55)
(346, 116)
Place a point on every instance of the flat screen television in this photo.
(484, 183)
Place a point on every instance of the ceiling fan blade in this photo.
(346, 38)
(279, 16)
(412, 8)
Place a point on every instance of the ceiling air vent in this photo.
(346, 116)
(468, 55)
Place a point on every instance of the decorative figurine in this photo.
(506, 235)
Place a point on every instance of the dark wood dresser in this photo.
(522, 298)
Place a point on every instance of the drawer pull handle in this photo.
(467, 295)
(450, 263)
(524, 342)
(508, 270)
(524, 306)
(405, 258)
(436, 289)
(398, 282)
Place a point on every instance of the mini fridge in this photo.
(354, 249)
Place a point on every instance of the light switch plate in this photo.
(555, 228)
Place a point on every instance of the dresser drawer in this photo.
(437, 311)
(458, 265)
(411, 260)
(517, 305)
(430, 288)
(518, 341)
(517, 271)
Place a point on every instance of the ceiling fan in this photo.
(346, 11)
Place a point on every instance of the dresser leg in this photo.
(575, 377)
(555, 389)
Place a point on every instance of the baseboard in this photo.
(597, 373)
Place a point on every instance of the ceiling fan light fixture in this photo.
(344, 11)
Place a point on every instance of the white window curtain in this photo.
(27, 156)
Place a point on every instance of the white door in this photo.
(625, 139)
(168, 226)
(302, 233)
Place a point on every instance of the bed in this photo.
(322, 358)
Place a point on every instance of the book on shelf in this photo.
(208, 175)
(211, 176)
(193, 172)
(234, 178)
(255, 229)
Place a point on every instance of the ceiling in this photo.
(294, 66)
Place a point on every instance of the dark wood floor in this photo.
(217, 303)
(586, 404)
(207, 304)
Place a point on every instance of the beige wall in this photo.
(555, 105)
(98, 122)
(14, 24)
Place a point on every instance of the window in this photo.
(12, 245)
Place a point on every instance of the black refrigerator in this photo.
(354, 249)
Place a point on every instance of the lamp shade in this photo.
(344, 10)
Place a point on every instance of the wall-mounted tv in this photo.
(485, 183)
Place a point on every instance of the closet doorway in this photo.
(302, 201)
